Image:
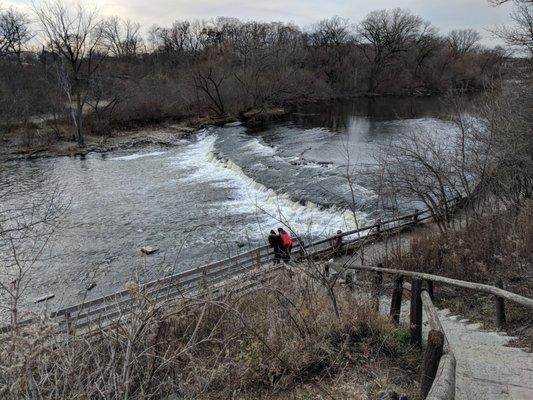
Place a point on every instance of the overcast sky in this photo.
(444, 14)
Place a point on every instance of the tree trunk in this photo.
(79, 120)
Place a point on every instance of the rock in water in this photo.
(149, 249)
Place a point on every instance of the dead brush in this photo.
(486, 247)
(491, 247)
(268, 340)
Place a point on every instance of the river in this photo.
(214, 194)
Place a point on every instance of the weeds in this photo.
(278, 338)
(491, 247)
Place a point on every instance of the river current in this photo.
(214, 194)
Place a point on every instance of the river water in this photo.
(214, 194)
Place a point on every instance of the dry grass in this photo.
(498, 245)
(280, 340)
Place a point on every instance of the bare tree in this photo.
(463, 41)
(509, 145)
(180, 37)
(26, 227)
(500, 2)
(74, 37)
(385, 35)
(335, 31)
(421, 166)
(15, 32)
(209, 81)
(122, 37)
(519, 35)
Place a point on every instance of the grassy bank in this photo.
(281, 340)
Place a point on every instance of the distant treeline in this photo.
(221, 66)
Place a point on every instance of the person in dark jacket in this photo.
(275, 242)
(286, 244)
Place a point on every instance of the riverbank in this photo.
(47, 144)
(40, 139)
(44, 137)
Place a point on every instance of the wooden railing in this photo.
(191, 281)
(188, 282)
(438, 366)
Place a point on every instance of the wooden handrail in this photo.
(443, 386)
(159, 281)
(123, 293)
(122, 296)
(524, 301)
(433, 318)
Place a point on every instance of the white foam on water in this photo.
(252, 198)
(255, 146)
(231, 124)
(138, 155)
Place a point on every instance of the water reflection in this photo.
(339, 115)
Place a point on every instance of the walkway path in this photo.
(487, 369)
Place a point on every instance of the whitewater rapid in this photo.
(264, 208)
(136, 156)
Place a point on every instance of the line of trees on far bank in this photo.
(97, 72)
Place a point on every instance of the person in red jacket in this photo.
(286, 244)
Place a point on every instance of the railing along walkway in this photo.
(437, 381)
(190, 281)
(438, 366)
(187, 282)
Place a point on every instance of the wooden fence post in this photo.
(500, 307)
(378, 282)
(302, 249)
(415, 217)
(204, 279)
(416, 312)
(431, 288)
(430, 362)
(336, 244)
(68, 322)
(348, 278)
(396, 301)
